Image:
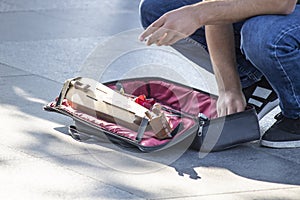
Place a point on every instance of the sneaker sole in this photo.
(280, 145)
(267, 108)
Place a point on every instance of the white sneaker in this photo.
(262, 97)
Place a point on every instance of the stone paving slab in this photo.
(31, 23)
(6, 70)
(26, 125)
(39, 179)
(27, 26)
(42, 43)
(200, 177)
(46, 137)
(57, 59)
(283, 194)
(37, 5)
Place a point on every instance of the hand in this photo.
(171, 27)
(230, 102)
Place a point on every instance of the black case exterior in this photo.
(226, 132)
(206, 135)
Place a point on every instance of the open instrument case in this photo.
(125, 112)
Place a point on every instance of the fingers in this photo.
(221, 108)
(228, 109)
(163, 36)
(169, 38)
(221, 112)
(232, 110)
(152, 28)
(158, 33)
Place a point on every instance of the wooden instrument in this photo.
(93, 98)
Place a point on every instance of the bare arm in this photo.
(183, 22)
(220, 40)
(229, 11)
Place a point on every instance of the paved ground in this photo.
(42, 43)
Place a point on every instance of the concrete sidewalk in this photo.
(42, 43)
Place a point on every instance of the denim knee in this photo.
(145, 12)
(264, 38)
(256, 42)
(151, 10)
(271, 43)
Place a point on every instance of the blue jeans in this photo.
(266, 45)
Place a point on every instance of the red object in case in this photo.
(189, 111)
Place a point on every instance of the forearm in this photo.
(184, 21)
(211, 12)
(220, 40)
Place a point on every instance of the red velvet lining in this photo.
(176, 96)
(171, 95)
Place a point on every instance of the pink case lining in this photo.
(171, 95)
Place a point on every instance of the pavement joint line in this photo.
(226, 193)
(99, 37)
(179, 197)
(31, 74)
(119, 188)
(76, 172)
(63, 155)
(55, 39)
(17, 151)
(77, 160)
(12, 76)
(36, 156)
(46, 78)
(17, 11)
(16, 68)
